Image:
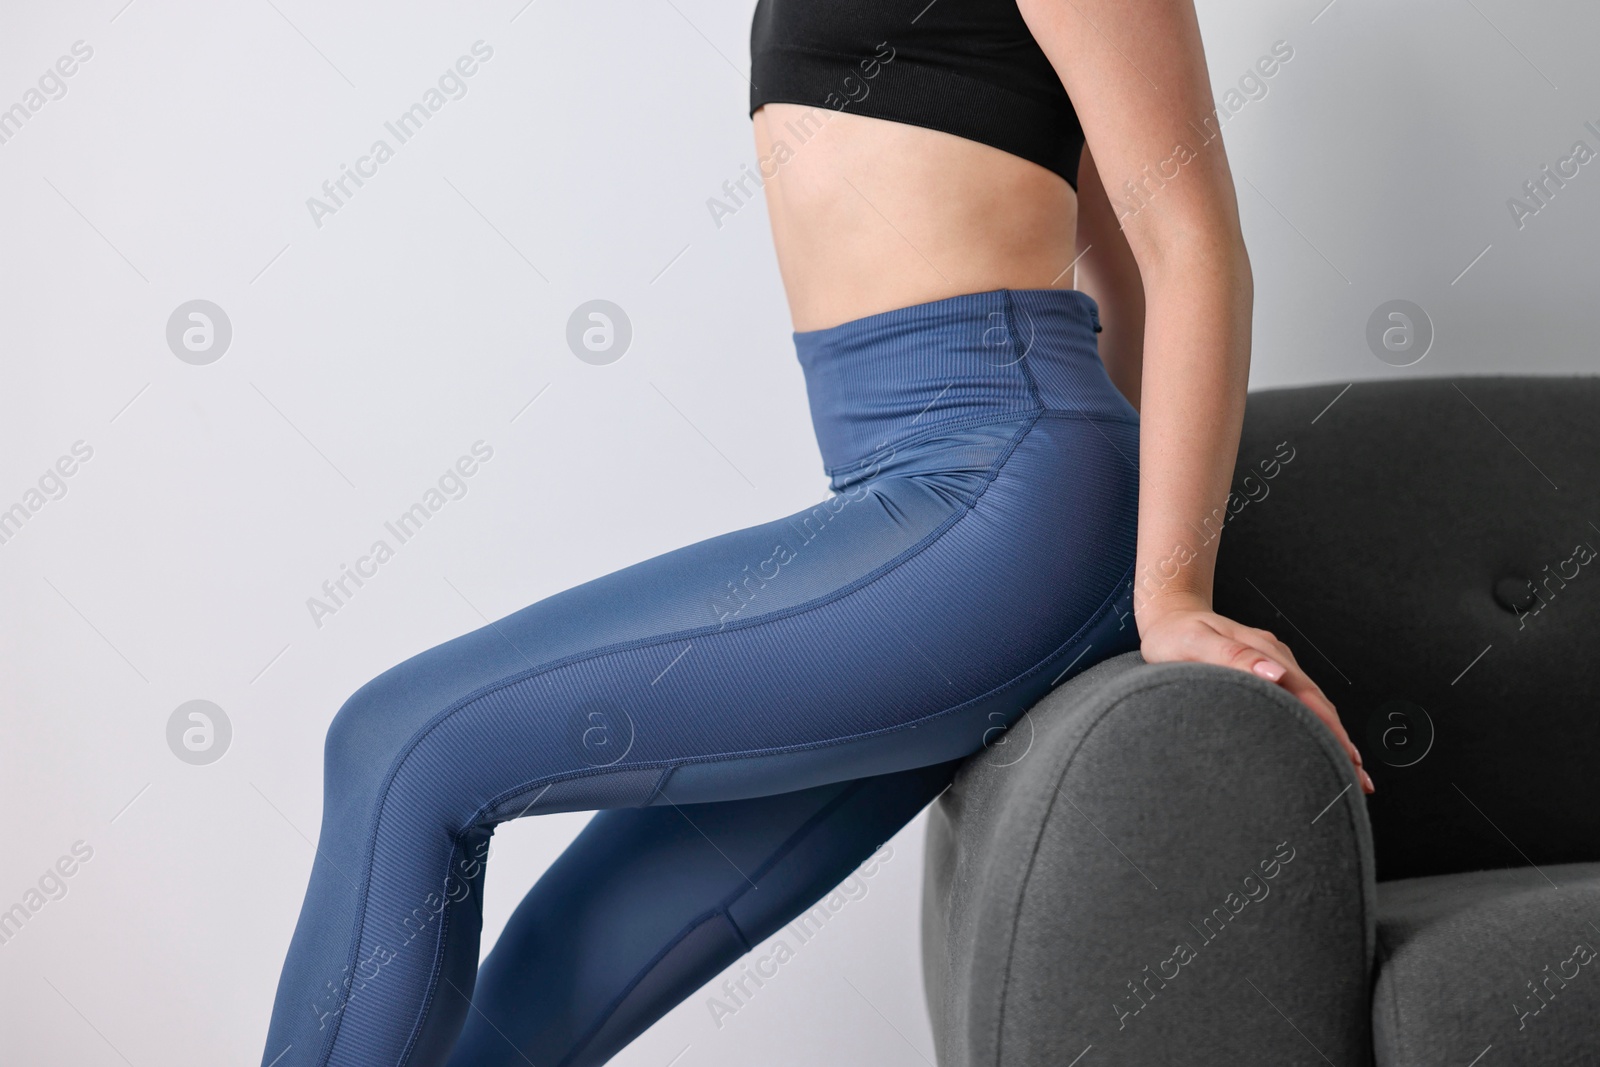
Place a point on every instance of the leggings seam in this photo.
(1021, 361)
(1021, 415)
(789, 846)
(435, 975)
(1099, 613)
(1084, 416)
(437, 967)
(688, 928)
(722, 907)
(656, 790)
(929, 539)
(812, 605)
(986, 419)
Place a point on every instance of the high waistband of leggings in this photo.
(877, 381)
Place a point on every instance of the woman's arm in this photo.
(1136, 73)
(1108, 272)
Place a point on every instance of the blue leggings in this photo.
(753, 714)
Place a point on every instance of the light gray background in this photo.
(369, 353)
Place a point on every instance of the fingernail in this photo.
(1268, 670)
(1365, 777)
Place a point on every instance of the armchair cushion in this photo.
(1499, 958)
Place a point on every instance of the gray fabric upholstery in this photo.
(1130, 812)
(1428, 548)
(1389, 544)
(1504, 960)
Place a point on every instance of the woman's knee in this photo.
(375, 728)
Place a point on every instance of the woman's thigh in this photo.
(761, 660)
(901, 624)
(650, 903)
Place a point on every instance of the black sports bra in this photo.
(967, 67)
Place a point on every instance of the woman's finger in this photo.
(1276, 649)
(1295, 678)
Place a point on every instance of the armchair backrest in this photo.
(1430, 551)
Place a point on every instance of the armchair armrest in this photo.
(1169, 863)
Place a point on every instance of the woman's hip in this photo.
(880, 384)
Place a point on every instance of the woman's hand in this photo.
(1160, 190)
(1193, 632)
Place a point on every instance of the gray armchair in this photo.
(1172, 863)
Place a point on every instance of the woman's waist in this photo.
(869, 214)
(976, 363)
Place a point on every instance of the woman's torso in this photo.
(909, 152)
(869, 215)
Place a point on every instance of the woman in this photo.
(757, 712)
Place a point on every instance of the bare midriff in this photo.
(870, 215)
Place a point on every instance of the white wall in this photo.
(1379, 166)
(369, 352)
